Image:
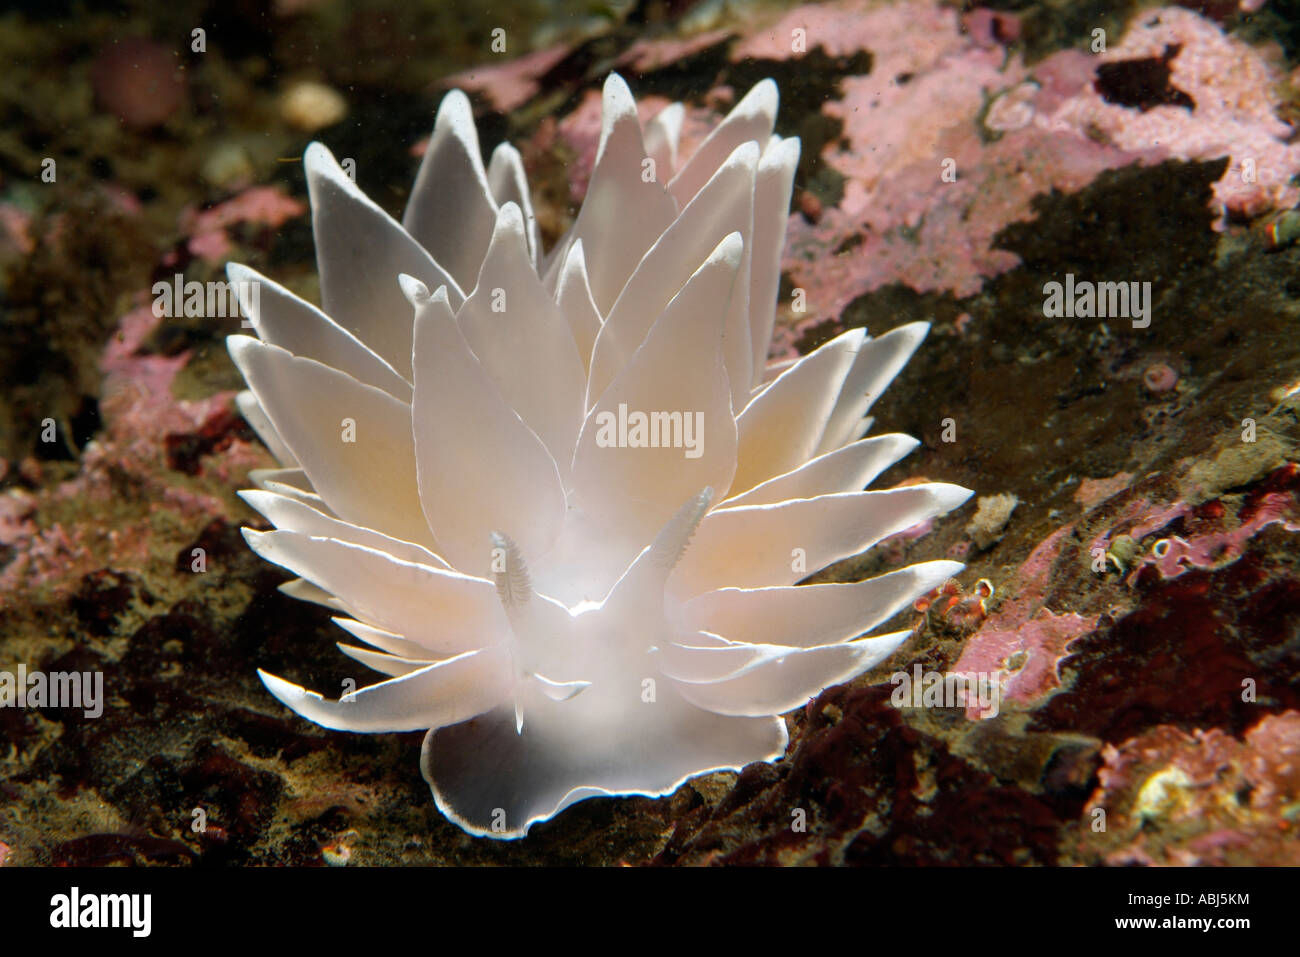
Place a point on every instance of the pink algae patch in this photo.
(140, 411)
(15, 230)
(1028, 657)
(262, 205)
(840, 29)
(1152, 517)
(928, 185)
(1094, 491)
(950, 137)
(266, 205)
(508, 86)
(1234, 799)
(1234, 87)
(213, 246)
(646, 55)
(16, 509)
(1023, 639)
(1218, 547)
(139, 414)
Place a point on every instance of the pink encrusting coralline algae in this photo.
(1234, 89)
(140, 416)
(951, 136)
(262, 205)
(1220, 799)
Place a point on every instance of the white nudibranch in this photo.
(573, 610)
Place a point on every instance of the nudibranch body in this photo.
(562, 499)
